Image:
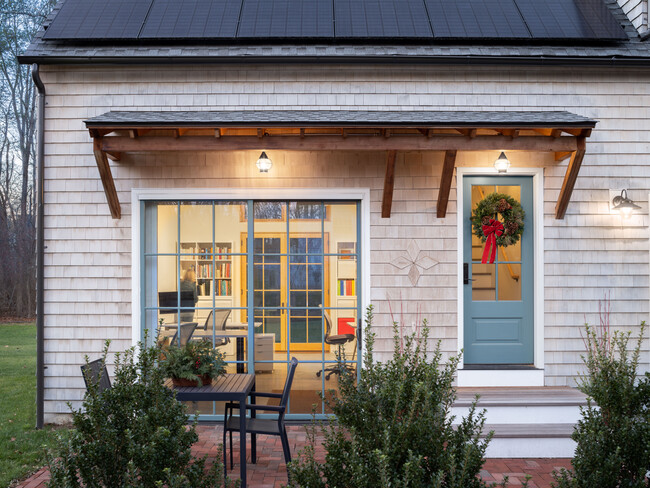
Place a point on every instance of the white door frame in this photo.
(506, 377)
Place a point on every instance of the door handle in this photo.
(466, 279)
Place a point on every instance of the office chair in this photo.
(220, 318)
(337, 340)
(187, 330)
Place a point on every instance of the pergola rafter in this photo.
(116, 133)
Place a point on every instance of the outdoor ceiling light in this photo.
(623, 204)
(264, 163)
(502, 163)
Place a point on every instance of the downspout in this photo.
(40, 250)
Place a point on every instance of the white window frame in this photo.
(138, 195)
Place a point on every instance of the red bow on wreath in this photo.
(491, 231)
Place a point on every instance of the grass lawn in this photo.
(21, 445)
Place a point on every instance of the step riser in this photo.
(525, 415)
(531, 448)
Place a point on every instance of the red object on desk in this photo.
(344, 326)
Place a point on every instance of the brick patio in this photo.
(270, 470)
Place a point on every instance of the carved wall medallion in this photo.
(414, 259)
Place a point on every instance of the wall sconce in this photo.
(502, 163)
(624, 205)
(264, 163)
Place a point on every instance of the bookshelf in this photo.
(211, 277)
(346, 285)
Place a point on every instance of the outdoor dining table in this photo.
(228, 388)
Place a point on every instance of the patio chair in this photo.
(337, 340)
(95, 372)
(262, 426)
(187, 329)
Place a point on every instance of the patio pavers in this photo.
(271, 472)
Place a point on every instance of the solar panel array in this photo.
(334, 19)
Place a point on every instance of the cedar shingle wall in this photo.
(588, 254)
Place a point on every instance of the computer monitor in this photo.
(168, 301)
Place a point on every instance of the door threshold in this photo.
(499, 376)
(524, 367)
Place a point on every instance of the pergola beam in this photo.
(570, 179)
(107, 179)
(389, 183)
(445, 183)
(335, 143)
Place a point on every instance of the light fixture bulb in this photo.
(264, 163)
(502, 163)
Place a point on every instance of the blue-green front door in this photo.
(498, 297)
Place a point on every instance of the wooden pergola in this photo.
(561, 133)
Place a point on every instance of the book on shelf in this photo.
(347, 288)
(223, 288)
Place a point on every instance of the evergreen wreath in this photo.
(512, 215)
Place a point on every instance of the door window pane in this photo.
(484, 284)
(509, 281)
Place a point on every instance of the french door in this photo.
(289, 288)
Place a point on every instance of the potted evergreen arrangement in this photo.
(194, 364)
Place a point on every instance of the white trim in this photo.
(501, 377)
(136, 232)
(538, 265)
(140, 194)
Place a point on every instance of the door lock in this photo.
(466, 279)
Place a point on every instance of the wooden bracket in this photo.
(389, 182)
(107, 178)
(445, 183)
(570, 178)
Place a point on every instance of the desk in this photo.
(239, 334)
(229, 387)
(238, 331)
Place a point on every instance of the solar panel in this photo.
(497, 19)
(381, 18)
(195, 19)
(98, 19)
(342, 19)
(570, 19)
(286, 18)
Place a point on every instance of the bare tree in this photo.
(19, 21)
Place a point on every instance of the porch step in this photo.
(521, 396)
(529, 431)
(527, 421)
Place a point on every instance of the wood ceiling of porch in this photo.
(564, 141)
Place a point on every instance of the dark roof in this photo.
(336, 19)
(339, 118)
(457, 32)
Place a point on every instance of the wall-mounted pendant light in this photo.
(502, 163)
(264, 163)
(624, 205)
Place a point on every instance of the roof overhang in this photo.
(562, 133)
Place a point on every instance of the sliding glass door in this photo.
(261, 304)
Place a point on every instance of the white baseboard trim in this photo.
(500, 377)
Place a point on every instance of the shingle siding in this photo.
(587, 255)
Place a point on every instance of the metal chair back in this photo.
(287, 384)
(96, 373)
